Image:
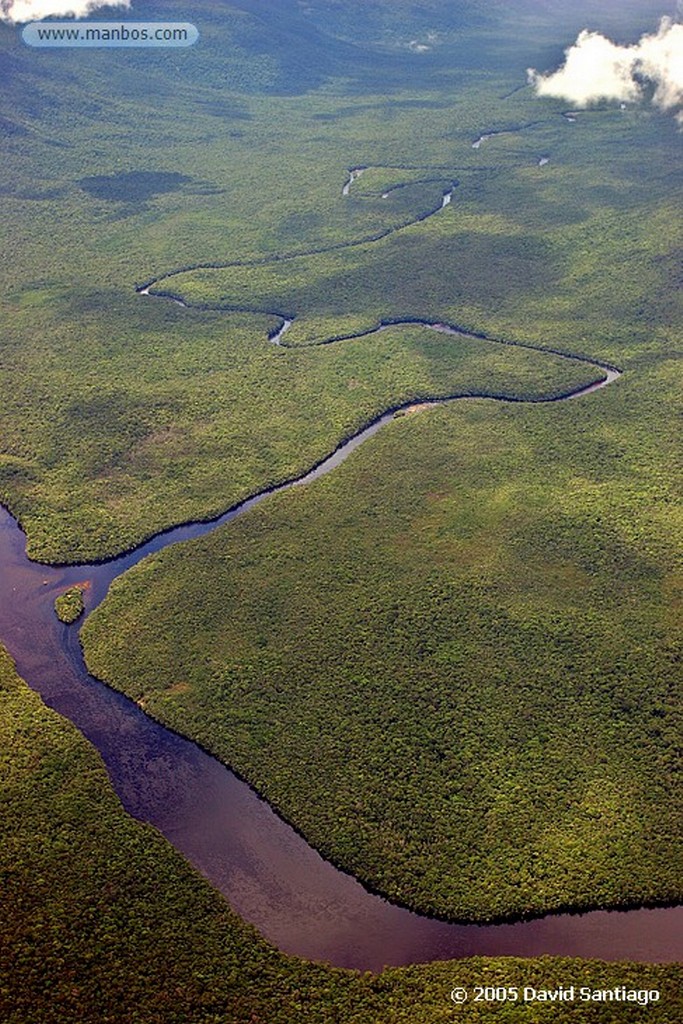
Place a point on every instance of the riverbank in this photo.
(122, 929)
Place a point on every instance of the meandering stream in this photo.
(266, 871)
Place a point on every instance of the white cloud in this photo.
(597, 69)
(20, 11)
(660, 60)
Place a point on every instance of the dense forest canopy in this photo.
(453, 663)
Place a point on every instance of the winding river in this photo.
(264, 868)
(354, 174)
(267, 872)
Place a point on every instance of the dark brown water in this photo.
(268, 873)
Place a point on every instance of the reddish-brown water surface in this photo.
(266, 871)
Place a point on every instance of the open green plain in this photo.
(466, 638)
(104, 923)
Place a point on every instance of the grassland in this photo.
(104, 922)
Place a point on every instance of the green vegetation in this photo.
(135, 186)
(69, 606)
(122, 415)
(189, 421)
(452, 662)
(104, 923)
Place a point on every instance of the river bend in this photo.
(264, 868)
(267, 872)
